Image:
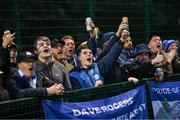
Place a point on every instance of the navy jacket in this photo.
(125, 56)
(19, 87)
(117, 74)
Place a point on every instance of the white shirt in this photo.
(32, 82)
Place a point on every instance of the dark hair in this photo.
(13, 46)
(43, 38)
(55, 41)
(80, 48)
(152, 34)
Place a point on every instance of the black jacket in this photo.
(144, 70)
(18, 87)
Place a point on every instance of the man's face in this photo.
(69, 48)
(128, 43)
(142, 57)
(86, 58)
(57, 51)
(13, 55)
(27, 67)
(155, 44)
(44, 49)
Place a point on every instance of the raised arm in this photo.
(111, 57)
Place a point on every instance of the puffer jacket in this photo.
(104, 65)
(85, 78)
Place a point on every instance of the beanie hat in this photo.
(167, 43)
(141, 48)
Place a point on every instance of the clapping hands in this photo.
(57, 89)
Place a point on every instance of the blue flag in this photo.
(165, 98)
(129, 105)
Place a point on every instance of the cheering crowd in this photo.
(55, 66)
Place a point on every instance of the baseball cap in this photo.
(26, 55)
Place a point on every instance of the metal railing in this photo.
(31, 107)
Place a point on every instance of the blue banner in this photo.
(165, 98)
(129, 105)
